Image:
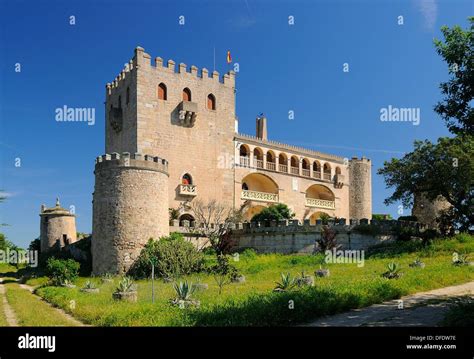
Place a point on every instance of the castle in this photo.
(172, 137)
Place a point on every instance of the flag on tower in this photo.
(229, 58)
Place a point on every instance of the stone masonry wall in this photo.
(360, 188)
(54, 227)
(130, 205)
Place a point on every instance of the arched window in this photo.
(162, 92)
(186, 94)
(327, 168)
(186, 179)
(338, 170)
(127, 99)
(211, 102)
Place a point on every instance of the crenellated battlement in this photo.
(133, 160)
(142, 59)
(119, 79)
(363, 159)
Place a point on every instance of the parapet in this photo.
(363, 159)
(142, 59)
(134, 160)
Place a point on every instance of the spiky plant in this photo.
(184, 290)
(286, 283)
(125, 285)
(90, 285)
(393, 271)
(460, 259)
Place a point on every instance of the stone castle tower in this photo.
(360, 188)
(153, 112)
(57, 227)
(130, 206)
(168, 135)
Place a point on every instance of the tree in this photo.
(458, 52)
(214, 221)
(445, 168)
(276, 212)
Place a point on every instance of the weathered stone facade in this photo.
(189, 118)
(130, 206)
(427, 211)
(57, 227)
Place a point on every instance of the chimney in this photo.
(262, 127)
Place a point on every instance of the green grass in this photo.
(31, 310)
(253, 303)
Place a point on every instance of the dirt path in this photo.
(10, 315)
(420, 309)
(9, 311)
(59, 310)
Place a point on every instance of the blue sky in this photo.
(282, 68)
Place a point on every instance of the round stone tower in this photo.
(57, 227)
(130, 206)
(427, 211)
(360, 188)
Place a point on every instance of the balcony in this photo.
(245, 161)
(295, 170)
(283, 168)
(327, 176)
(320, 203)
(187, 190)
(258, 163)
(259, 196)
(271, 166)
(305, 172)
(317, 174)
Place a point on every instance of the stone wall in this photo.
(295, 238)
(130, 205)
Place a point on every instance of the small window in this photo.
(127, 99)
(211, 102)
(186, 179)
(338, 171)
(162, 92)
(186, 94)
(245, 187)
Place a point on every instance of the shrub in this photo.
(274, 212)
(393, 271)
(62, 271)
(183, 290)
(224, 267)
(172, 256)
(125, 285)
(286, 283)
(327, 241)
(408, 218)
(324, 217)
(381, 217)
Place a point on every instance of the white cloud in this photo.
(429, 11)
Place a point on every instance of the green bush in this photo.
(274, 212)
(172, 256)
(61, 271)
(381, 217)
